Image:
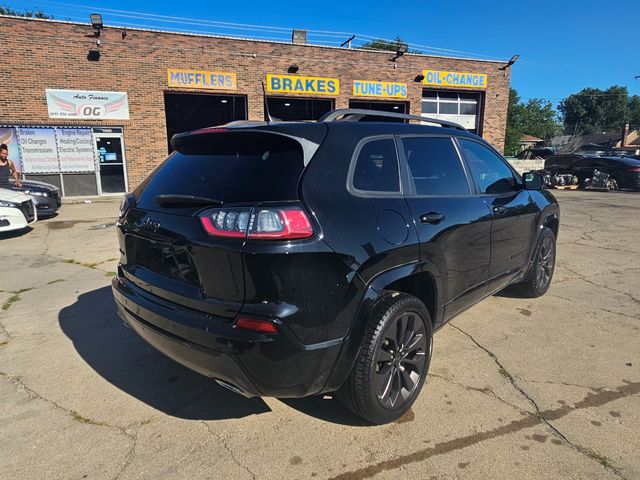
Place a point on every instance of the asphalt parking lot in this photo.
(544, 388)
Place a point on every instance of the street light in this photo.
(513, 60)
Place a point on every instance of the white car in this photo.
(16, 210)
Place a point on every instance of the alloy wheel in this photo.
(401, 360)
(545, 263)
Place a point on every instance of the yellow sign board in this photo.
(200, 79)
(304, 85)
(437, 78)
(371, 88)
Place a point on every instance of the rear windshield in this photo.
(230, 167)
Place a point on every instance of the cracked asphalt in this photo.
(518, 388)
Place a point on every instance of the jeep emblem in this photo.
(148, 224)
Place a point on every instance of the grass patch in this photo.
(604, 461)
(14, 298)
(57, 280)
(146, 422)
(110, 274)
(73, 261)
(110, 260)
(2, 344)
(79, 418)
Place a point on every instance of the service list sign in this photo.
(88, 105)
(38, 150)
(75, 150)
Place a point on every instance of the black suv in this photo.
(300, 258)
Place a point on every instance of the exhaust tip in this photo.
(233, 388)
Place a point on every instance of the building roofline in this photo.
(247, 39)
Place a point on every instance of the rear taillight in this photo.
(262, 326)
(635, 169)
(257, 223)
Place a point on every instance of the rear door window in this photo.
(490, 172)
(230, 167)
(376, 168)
(434, 166)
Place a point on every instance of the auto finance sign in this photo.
(437, 78)
(88, 104)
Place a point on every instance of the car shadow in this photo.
(325, 408)
(126, 361)
(15, 233)
(511, 291)
(122, 358)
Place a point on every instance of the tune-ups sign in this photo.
(92, 105)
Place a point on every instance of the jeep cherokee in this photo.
(300, 258)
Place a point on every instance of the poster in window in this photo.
(39, 150)
(75, 150)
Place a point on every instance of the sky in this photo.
(564, 46)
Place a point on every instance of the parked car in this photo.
(16, 210)
(45, 196)
(302, 258)
(624, 172)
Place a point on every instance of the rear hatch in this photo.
(183, 237)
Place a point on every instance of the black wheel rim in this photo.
(401, 360)
(545, 263)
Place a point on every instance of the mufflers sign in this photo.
(201, 79)
(438, 78)
(305, 85)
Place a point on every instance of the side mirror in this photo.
(533, 181)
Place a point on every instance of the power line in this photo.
(253, 28)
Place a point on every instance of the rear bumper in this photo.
(255, 364)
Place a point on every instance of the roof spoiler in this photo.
(356, 114)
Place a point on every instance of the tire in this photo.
(393, 361)
(540, 274)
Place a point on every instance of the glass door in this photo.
(111, 162)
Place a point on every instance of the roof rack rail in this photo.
(356, 114)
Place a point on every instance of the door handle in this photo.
(432, 218)
(499, 210)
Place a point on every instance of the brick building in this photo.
(96, 119)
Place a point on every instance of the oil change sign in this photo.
(201, 79)
(304, 85)
(369, 88)
(437, 78)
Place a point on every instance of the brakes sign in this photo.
(305, 85)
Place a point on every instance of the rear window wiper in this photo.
(169, 200)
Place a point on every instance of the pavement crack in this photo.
(486, 391)
(602, 460)
(591, 282)
(76, 417)
(131, 454)
(223, 441)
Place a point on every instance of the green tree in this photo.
(514, 123)
(634, 111)
(537, 117)
(595, 110)
(37, 13)
(386, 45)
